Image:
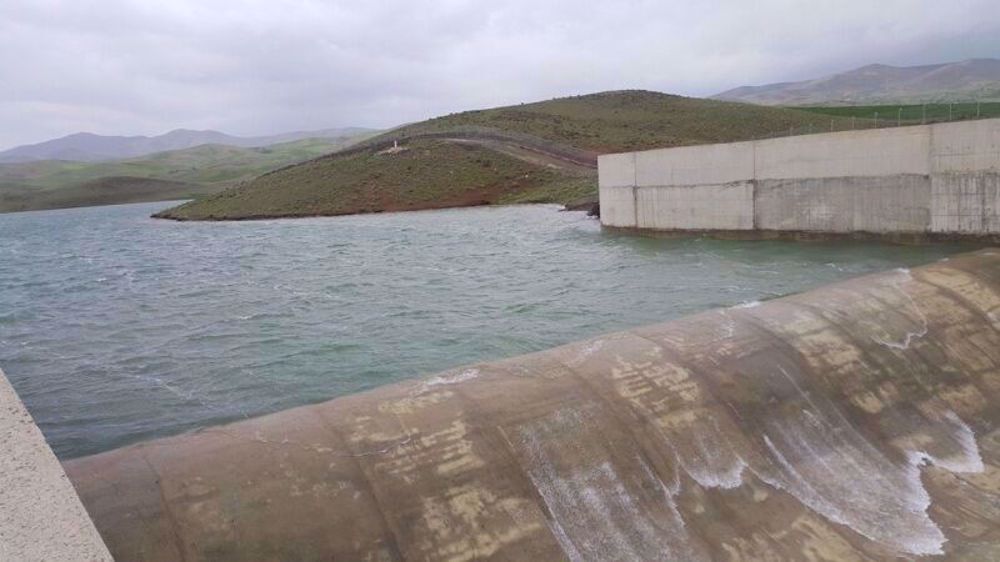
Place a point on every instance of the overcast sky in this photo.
(262, 66)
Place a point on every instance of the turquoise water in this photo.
(116, 328)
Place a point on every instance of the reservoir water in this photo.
(115, 327)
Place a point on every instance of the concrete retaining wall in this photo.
(854, 422)
(935, 179)
(898, 203)
(727, 206)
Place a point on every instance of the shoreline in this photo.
(588, 206)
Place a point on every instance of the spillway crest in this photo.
(858, 421)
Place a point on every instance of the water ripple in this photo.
(116, 328)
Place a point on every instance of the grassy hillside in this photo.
(204, 169)
(422, 176)
(625, 120)
(538, 152)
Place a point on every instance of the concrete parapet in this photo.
(41, 517)
(711, 164)
(966, 146)
(871, 153)
(616, 170)
(938, 180)
(858, 421)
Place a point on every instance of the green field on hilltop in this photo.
(201, 170)
(910, 114)
(536, 152)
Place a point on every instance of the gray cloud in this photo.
(255, 67)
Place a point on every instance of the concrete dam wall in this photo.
(858, 421)
(934, 181)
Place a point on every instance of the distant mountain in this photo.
(174, 174)
(88, 147)
(973, 79)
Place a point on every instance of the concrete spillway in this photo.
(859, 421)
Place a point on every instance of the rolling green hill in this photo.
(538, 152)
(202, 170)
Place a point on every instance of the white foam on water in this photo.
(596, 514)
(969, 461)
(842, 476)
(817, 456)
(904, 343)
(568, 548)
(910, 335)
(584, 353)
(176, 391)
(727, 329)
(814, 455)
(668, 491)
(838, 479)
(456, 378)
(748, 304)
(710, 460)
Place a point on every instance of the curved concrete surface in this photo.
(854, 422)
